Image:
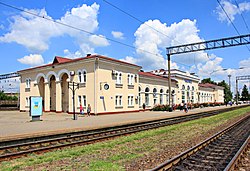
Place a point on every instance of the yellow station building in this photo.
(109, 86)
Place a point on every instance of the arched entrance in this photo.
(52, 87)
(41, 89)
(65, 93)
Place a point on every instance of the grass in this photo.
(114, 154)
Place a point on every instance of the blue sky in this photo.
(27, 41)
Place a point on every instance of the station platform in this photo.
(15, 124)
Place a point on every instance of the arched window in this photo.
(119, 78)
(161, 96)
(155, 95)
(147, 96)
(183, 99)
(139, 96)
(28, 81)
(79, 76)
(167, 97)
(82, 76)
(188, 94)
(84, 73)
(192, 94)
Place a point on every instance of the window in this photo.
(183, 94)
(139, 96)
(82, 76)
(118, 100)
(120, 78)
(161, 96)
(79, 100)
(155, 95)
(192, 94)
(28, 80)
(130, 79)
(27, 101)
(130, 100)
(147, 96)
(82, 100)
(167, 97)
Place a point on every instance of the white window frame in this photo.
(118, 100)
(119, 78)
(84, 101)
(131, 100)
(79, 99)
(82, 76)
(131, 79)
(28, 82)
(27, 101)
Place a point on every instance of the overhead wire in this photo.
(76, 28)
(242, 17)
(231, 21)
(140, 21)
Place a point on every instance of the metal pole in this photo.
(74, 112)
(237, 91)
(169, 82)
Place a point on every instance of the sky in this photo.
(32, 33)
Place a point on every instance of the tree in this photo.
(228, 95)
(244, 94)
(208, 80)
(3, 96)
(235, 97)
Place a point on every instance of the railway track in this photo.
(219, 152)
(16, 148)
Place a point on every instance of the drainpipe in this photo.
(95, 78)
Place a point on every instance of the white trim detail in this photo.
(38, 77)
(50, 74)
(63, 71)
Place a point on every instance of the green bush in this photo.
(160, 108)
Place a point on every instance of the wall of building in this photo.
(156, 91)
(127, 88)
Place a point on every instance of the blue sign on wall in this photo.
(36, 108)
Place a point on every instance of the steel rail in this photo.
(238, 157)
(170, 164)
(14, 148)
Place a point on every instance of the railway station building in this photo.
(108, 85)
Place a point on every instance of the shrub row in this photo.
(163, 107)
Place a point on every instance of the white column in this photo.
(58, 96)
(46, 97)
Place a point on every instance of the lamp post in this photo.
(73, 86)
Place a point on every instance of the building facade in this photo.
(210, 93)
(108, 85)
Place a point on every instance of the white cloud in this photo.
(32, 59)
(35, 33)
(231, 10)
(211, 67)
(245, 63)
(117, 34)
(69, 54)
(151, 44)
(98, 40)
(130, 59)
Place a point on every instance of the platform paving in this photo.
(15, 124)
